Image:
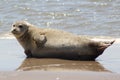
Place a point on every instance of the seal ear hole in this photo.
(20, 26)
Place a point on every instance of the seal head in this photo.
(19, 28)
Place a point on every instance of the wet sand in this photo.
(60, 65)
(15, 66)
(64, 75)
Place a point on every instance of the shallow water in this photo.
(88, 17)
(85, 17)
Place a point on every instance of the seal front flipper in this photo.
(40, 40)
(28, 53)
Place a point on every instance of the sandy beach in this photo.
(46, 75)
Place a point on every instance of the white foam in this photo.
(6, 36)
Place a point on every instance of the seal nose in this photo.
(13, 30)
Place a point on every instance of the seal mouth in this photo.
(14, 31)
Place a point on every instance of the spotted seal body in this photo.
(51, 43)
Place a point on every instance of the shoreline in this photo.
(65, 75)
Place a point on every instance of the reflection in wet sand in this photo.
(59, 65)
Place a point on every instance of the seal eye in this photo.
(20, 26)
(13, 25)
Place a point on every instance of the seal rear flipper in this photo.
(105, 44)
(101, 46)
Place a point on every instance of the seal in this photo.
(53, 43)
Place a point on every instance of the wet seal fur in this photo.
(52, 43)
